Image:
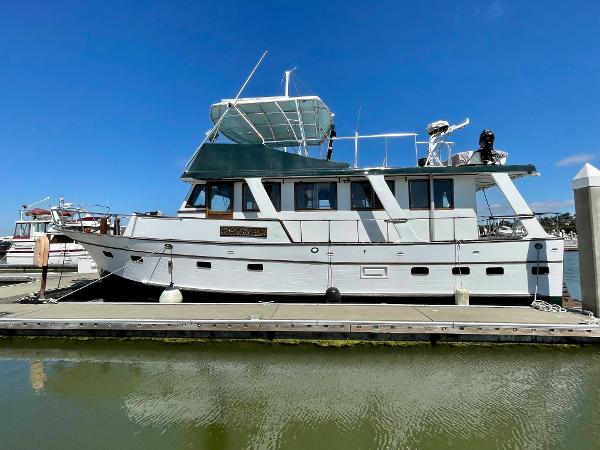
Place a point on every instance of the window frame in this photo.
(227, 214)
(246, 190)
(187, 202)
(300, 183)
(451, 180)
(26, 227)
(374, 196)
(410, 201)
(430, 194)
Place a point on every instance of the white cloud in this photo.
(575, 159)
(495, 10)
(499, 208)
(552, 205)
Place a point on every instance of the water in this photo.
(59, 394)
(571, 274)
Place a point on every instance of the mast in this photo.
(287, 82)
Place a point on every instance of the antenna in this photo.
(288, 73)
(356, 139)
(250, 76)
(212, 133)
(358, 119)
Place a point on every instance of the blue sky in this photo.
(105, 101)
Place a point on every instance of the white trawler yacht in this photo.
(262, 217)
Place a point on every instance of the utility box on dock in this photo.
(586, 186)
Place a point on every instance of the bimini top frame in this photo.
(274, 121)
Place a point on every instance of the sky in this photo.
(104, 102)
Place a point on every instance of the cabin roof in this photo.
(227, 161)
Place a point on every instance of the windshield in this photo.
(22, 230)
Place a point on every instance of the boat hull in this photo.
(21, 253)
(370, 271)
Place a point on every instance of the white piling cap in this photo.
(588, 176)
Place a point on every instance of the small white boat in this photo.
(36, 222)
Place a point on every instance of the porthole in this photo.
(107, 254)
(314, 250)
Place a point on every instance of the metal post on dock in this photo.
(586, 187)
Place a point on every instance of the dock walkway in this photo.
(299, 321)
(28, 283)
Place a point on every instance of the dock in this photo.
(279, 320)
(381, 322)
(17, 285)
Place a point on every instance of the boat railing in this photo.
(503, 226)
(359, 230)
(384, 136)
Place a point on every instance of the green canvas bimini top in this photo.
(234, 161)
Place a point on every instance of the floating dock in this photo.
(379, 322)
(269, 320)
(15, 286)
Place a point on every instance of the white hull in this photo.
(21, 253)
(356, 269)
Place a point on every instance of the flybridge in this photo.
(286, 122)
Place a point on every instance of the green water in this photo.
(63, 394)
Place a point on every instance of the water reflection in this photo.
(571, 274)
(37, 375)
(261, 396)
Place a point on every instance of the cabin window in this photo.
(220, 198)
(419, 271)
(273, 191)
(315, 195)
(363, 196)
(203, 264)
(418, 194)
(136, 258)
(255, 267)
(494, 271)
(107, 254)
(40, 227)
(461, 270)
(540, 270)
(443, 194)
(22, 230)
(197, 198)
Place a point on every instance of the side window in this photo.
(197, 198)
(364, 197)
(418, 194)
(443, 194)
(315, 196)
(22, 230)
(273, 191)
(220, 197)
(40, 227)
